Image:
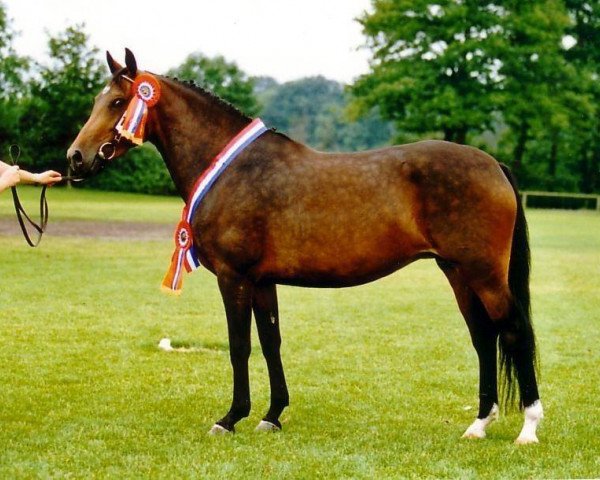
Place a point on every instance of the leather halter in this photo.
(107, 150)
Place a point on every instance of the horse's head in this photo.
(98, 140)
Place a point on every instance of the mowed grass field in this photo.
(382, 377)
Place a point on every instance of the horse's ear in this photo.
(113, 65)
(130, 63)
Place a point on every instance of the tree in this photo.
(462, 67)
(61, 97)
(432, 70)
(12, 66)
(313, 110)
(220, 77)
(12, 85)
(540, 98)
(585, 55)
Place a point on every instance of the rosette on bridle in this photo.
(146, 93)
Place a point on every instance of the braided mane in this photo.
(194, 87)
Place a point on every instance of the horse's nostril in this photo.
(77, 158)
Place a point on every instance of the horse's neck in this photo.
(189, 129)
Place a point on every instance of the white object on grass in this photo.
(165, 344)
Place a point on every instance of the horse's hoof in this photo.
(533, 415)
(219, 430)
(526, 439)
(477, 428)
(471, 434)
(266, 426)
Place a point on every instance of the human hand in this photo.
(49, 177)
(10, 177)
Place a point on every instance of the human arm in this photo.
(9, 176)
(49, 177)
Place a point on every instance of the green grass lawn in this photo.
(382, 378)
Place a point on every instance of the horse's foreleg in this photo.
(237, 297)
(267, 322)
(484, 337)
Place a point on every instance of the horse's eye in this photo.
(117, 102)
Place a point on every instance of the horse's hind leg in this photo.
(267, 322)
(484, 336)
(517, 346)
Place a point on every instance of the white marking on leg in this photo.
(477, 428)
(533, 415)
(265, 426)
(273, 319)
(218, 430)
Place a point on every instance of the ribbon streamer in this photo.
(185, 256)
(132, 124)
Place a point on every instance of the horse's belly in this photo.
(340, 259)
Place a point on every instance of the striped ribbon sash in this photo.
(185, 256)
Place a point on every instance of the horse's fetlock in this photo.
(241, 411)
(280, 401)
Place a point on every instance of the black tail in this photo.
(518, 337)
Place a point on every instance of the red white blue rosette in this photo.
(183, 235)
(147, 89)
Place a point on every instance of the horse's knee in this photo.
(239, 350)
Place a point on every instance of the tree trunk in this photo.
(595, 170)
(519, 150)
(457, 135)
(461, 136)
(449, 134)
(552, 164)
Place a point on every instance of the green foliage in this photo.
(141, 170)
(585, 55)
(221, 77)
(12, 66)
(61, 96)
(12, 84)
(539, 98)
(461, 69)
(314, 111)
(432, 70)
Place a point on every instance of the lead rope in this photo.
(15, 153)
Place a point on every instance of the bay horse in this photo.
(283, 213)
